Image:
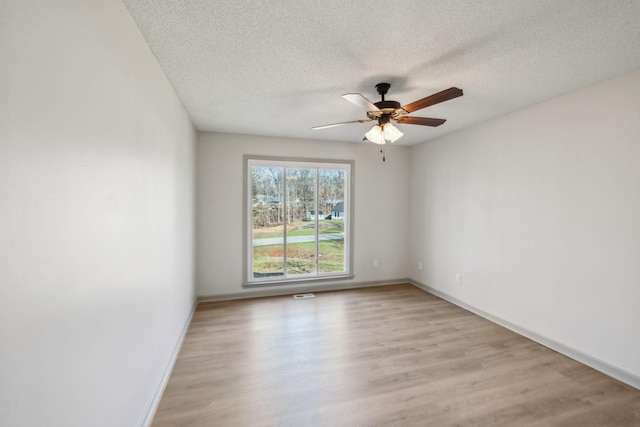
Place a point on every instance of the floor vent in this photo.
(303, 296)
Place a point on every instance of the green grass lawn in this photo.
(300, 257)
(300, 228)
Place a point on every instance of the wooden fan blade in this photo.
(360, 101)
(423, 121)
(436, 98)
(340, 124)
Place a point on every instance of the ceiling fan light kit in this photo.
(385, 111)
(379, 134)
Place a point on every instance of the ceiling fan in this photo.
(387, 111)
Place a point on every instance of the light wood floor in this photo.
(383, 356)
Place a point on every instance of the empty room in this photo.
(300, 213)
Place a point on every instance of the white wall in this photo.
(381, 202)
(539, 212)
(96, 216)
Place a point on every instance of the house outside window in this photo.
(338, 211)
(298, 220)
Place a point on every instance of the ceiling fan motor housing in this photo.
(387, 105)
(388, 109)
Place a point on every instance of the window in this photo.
(298, 216)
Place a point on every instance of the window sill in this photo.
(297, 281)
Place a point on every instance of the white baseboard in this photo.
(595, 363)
(289, 290)
(164, 379)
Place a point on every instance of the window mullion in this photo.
(285, 220)
(317, 208)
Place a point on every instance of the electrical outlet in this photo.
(420, 265)
(458, 278)
(376, 263)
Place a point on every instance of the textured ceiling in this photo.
(279, 68)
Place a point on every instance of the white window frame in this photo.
(247, 230)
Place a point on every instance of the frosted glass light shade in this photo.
(391, 133)
(375, 135)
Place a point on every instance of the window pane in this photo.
(301, 219)
(331, 198)
(267, 221)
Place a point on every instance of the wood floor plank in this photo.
(380, 356)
